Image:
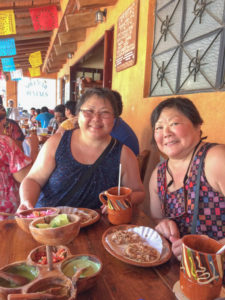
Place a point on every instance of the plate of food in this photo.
(88, 216)
(137, 245)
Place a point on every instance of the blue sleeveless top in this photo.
(68, 171)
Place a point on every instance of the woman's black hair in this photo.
(103, 93)
(44, 109)
(119, 101)
(2, 112)
(184, 105)
(61, 109)
(71, 106)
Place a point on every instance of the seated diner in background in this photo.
(12, 129)
(14, 165)
(71, 121)
(12, 112)
(44, 117)
(65, 160)
(181, 200)
(121, 130)
(59, 117)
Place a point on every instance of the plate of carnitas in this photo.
(87, 216)
(137, 245)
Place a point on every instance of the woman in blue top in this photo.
(63, 159)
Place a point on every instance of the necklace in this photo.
(186, 174)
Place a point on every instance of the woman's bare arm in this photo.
(214, 168)
(155, 205)
(166, 227)
(37, 177)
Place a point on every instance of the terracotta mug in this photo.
(119, 206)
(201, 270)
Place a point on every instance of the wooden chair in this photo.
(143, 158)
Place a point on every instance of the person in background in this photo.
(63, 159)
(44, 117)
(12, 129)
(173, 187)
(14, 165)
(32, 112)
(38, 111)
(71, 122)
(59, 117)
(122, 131)
(12, 112)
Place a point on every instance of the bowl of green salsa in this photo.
(89, 276)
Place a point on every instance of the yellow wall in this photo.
(133, 82)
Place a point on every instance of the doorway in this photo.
(94, 69)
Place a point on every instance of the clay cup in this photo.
(201, 268)
(119, 206)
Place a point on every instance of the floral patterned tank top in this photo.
(211, 215)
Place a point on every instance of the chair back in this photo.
(143, 158)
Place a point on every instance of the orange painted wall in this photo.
(11, 91)
(133, 82)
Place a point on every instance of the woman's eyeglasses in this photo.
(89, 113)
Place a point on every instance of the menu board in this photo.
(126, 41)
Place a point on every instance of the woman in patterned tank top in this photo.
(176, 125)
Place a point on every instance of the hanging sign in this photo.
(35, 72)
(35, 59)
(8, 64)
(126, 40)
(16, 75)
(7, 22)
(7, 47)
(44, 18)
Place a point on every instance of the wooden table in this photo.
(118, 280)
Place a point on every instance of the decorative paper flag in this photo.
(35, 59)
(16, 75)
(44, 18)
(7, 22)
(34, 72)
(2, 75)
(8, 64)
(7, 47)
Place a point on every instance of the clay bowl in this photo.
(64, 284)
(36, 253)
(55, 236)
(24, 222)
(20, 268)
(89, 277)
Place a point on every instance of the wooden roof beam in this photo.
(80, 20)
(33, 42)
(18, 5)
(72, 36)
(66, 48)
(94, 3)
(35, 35)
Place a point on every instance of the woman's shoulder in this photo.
(67, 124)
(216, 152)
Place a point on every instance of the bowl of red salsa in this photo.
(27, 216)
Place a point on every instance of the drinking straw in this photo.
(119, 180)
(221, 250)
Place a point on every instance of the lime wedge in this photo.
(59, 220)
(42, 225)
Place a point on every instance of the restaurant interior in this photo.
(147, 50)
